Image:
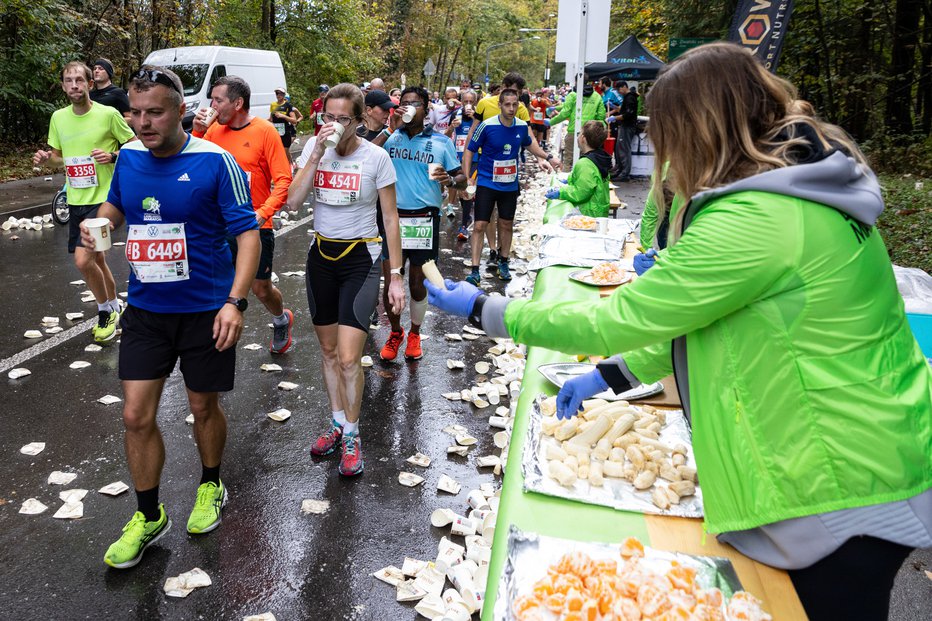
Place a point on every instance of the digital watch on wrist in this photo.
(241, 304)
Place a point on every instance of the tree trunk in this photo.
(924, 96)
(903, 61)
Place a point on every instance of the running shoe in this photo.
(351, 459)
(504, 273)
(325, 444)
(413, 348)
(462, 234)
(390, 351)
(138, 534)
(474, 278)
(493, 259)
(206, 514)
(374, 319)
(281, 335)
(107, 322)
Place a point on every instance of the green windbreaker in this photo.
(592, 110)
(587, 188)
(806, 389)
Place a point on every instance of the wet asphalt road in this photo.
(267, 555)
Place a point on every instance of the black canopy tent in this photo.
(629, 60)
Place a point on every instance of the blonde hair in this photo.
(718, 116)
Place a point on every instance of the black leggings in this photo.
(852, 583)
(467, 211)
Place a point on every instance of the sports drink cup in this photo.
(471, 191)
(99, 228)
(434, 169)
(468, 108)
(408, 115)
(334, 139)
(210, 116)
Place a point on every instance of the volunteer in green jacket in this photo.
(587, 186)
(776, 307)
(593, 110)
(85, 138)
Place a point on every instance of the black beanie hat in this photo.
(103, 62)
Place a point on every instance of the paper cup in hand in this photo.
(210, 115)
(470, 191)
(434, 169)
(99, 228)
(334, 139)
(408, 114)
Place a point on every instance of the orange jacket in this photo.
(258, 150)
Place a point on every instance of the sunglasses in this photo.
(159, 77)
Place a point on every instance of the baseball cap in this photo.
(323, 88)
(380, 99)
(281, 90)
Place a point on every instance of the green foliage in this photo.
(906, 223)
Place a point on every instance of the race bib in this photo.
(157, 252)
(280, 128)
(320, 119)
(538, 115)
(504, 171)
(81, 171)
(417, 233)
(461, 143)
(337, 182)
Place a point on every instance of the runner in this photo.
(85, 137)
(412, 148)
(179, 197)
(284, 116)
(351, 183)
(258, 149)
(317, 107)
(462, 125)
(538, 107)
(105, 91)
(500, 138)
(442, 115)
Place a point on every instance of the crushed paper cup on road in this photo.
(460, 576)
(473, 330)
(50, 321)
(464, 439)
(466, 395)
(77, 283)
(114, 489)
(452, 396)
(488, 489)
(430, 580)
(477, 500)
(390, 575)
(314, 506)
(455, 364)
(18, 373)
(93, 347)
(412, 566)
(488, 461)
(189, 419)
(366, 361)
(287, 386)
(79, 364)
(431, 606)
(446, 484)
(454, 430)
(61, 478)
(252, 347)
(498, 422)
(480, 403)
(33, 448)
(482, 367)
(31, 506)
(458, 450)
(407, 591)
(74, 316)
(470, 337)
(72, 495)
(409, 479)
(280, 415)
(448, 549)
(463, 526)
(265, 616)
(270, 367)
(501, 439)
(419, 459)
(183, 584)
(70, 511)
(54, 330)
(109, 400)
(32, 334)
(453, 337)
(442, 517)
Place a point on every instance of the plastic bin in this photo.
(921, 326)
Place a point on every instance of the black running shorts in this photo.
(418, 257)
(267, 239)
(152, 343)
(344, 291)
(76, 215)
(487, 199)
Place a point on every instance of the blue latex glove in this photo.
(610, 119)
(577, 390)
(552, 193)
(644, 261)
(457, 299)
(547, 122)
(564, 181)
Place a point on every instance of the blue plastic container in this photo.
(922, 329)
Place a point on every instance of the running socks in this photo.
(104, 308)
(147, 503)
(339, 418)
(280, 320)
(418, 311)
(210, 475)
(350, 428)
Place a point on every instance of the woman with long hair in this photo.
(776, 308)
(351, 182)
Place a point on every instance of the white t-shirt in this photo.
(346, 189)
(440, 117)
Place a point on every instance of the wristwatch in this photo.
(395, 271)
(475, 315)
(113, 157)
(241, 304)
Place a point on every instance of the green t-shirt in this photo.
(101, 127)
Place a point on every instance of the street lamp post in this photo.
(548, 30)
(488, 52)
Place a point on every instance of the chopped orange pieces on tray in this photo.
(581, 588)
(580, 223)
(607, 273)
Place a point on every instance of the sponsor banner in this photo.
(761, 26)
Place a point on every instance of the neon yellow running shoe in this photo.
(138, 534)
(205, 516)
(107, 322)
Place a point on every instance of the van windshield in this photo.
(192, 76)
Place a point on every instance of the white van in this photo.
(200, 66)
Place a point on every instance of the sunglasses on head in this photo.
(159, 77)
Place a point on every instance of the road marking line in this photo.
(40, 348)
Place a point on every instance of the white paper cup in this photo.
(470, 191)
(460, 576)
(457, 612)
(434, 169)
(463, 526)
(99, 228)
(210, 116)
(602, 224)
(473, 597)
(480, 555)
(408, 114)
(477, 500)
(442, 517)
(334, 138)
